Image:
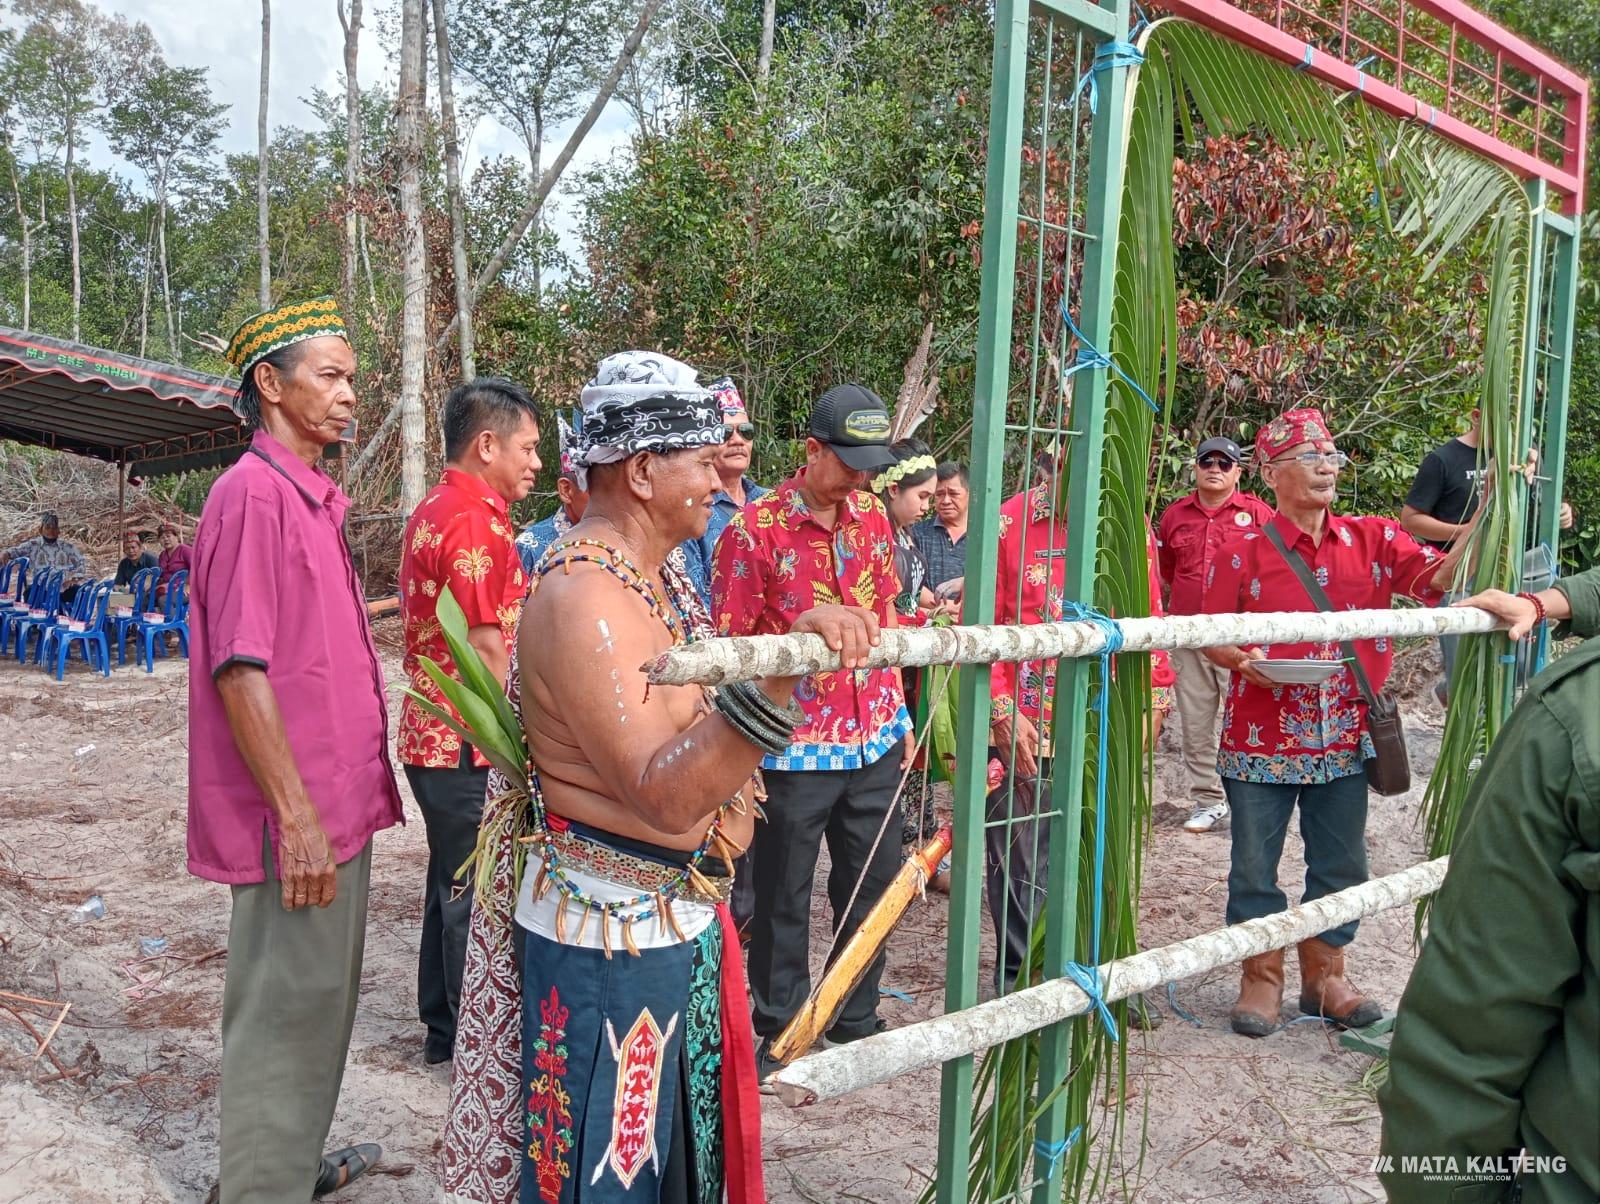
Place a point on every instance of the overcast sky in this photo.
(308, 53)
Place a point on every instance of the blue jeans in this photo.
(1333, 824)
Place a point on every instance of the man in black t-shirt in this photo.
(1443, 498)
(1444, 494)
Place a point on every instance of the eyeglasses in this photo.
(1222, 462)
(745, 430)
(1335, 459)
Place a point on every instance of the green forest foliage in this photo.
(793, 234)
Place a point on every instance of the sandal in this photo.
(344, 1167)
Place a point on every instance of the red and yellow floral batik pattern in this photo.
(460, 538)
(1311, 734)
(1030, 587)
(774, 562)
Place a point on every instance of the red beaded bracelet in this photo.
(1538, 607)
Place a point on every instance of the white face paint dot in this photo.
(688, 503)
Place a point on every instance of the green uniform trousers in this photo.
(287, 1010)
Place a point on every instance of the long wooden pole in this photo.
(835, 1072)
(859, 951)
(745, 658)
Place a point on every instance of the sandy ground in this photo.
(92, 801)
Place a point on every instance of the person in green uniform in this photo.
(1494, 1070)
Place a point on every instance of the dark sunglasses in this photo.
(1214, 462)
(745, 430)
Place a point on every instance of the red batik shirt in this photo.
(1189, 536)
(775, 562)
(460, 537)
(1030, 587)
(1310, 734)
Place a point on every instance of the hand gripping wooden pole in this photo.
(841, 978)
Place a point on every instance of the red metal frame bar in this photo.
(1541, 93)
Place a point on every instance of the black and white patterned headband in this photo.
(643, 401)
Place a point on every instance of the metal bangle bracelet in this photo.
(772, 735)
(749, 723)
(790, 716)
(779, 719)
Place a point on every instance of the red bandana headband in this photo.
(1289, 429)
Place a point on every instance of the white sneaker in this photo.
(1203, 819)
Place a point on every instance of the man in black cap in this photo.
(1191, 530)
(820, 538)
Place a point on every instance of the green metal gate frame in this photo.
(1553, 281)
(1101, 221)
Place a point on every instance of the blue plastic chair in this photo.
(59, 641)
(14, 586)
(44, 627)
(13, 580)
(175, 617)
(48, 600)
(143, 588)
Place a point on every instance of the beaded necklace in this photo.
(658, 904)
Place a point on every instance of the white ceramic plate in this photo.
(1299, 672)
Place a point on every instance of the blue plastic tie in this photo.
(1178, 1010)
(1055, 1151)
(1433, 115)
(891, 993)
(1509, 658)
(1305, 58)
(1088, 981)
(1088, 977)
(1108, 56)
(1090, 356)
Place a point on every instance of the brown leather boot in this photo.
(1325, 992)
(1260, 995)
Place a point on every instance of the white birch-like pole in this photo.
(839, 1071)
(745, 658)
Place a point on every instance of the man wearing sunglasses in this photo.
(1190, 532)
(733, 462)
(1306, 745)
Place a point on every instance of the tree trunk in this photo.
(144, 291)
(536, 162)
(535, 203)
(413, 339)
(27, 246)
(769, 21)
(166, 273)
(264, 292)
(72, 226)
(366, 262)
(452, 168)
(352, 143)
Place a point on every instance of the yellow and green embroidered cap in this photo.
(287, 324)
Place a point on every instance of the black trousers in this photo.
(1016, 866)
(846, 807)
(451, 802)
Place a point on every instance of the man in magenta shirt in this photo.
(289, 771)
(176, 556)
(1191, 531)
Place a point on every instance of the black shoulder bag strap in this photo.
(1297, 564)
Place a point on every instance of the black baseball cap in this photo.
(854, 422)
(1223, 444)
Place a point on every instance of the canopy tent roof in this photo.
(155, 418)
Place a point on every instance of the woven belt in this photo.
(635, 873)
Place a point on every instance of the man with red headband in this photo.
(1307, 744)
